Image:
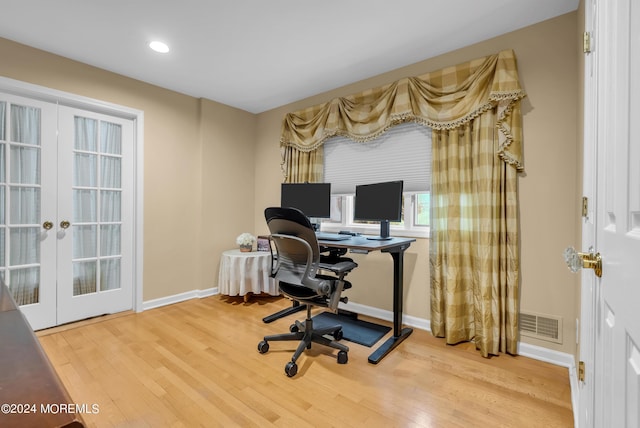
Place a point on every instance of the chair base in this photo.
(306, 335)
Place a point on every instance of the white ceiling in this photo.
(257, 54)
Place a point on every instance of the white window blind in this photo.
(401, 153)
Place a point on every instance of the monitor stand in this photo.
(384, 232)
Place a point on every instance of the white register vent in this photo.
(539, 326)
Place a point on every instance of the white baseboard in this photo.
(176, 298)
(546, 355)
(381, 314)
(560, 359)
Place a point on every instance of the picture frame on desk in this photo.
(263, 243)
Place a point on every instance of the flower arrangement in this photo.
(246, 241)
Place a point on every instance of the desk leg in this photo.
(296, 307)
(399, 333)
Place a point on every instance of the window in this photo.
(401, 153)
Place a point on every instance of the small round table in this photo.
(246, 273)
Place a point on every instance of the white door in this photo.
(616, 295)
(66, 210)
(28, 188)
(95, 214)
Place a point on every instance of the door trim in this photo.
(43, 93)
(584, 416)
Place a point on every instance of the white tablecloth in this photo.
(243, 273)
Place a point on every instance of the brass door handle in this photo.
(47, 225)
(64, 224)
(576, 261)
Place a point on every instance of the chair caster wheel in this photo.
(263, 347)
(291, 369)
(343, 357)
(293, 328)
(338, 335)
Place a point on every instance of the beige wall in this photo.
(198, 167)
(547, 55)
(228, 196)
(210, 170)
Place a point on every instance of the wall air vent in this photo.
(539, 326)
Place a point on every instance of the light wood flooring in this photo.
(196, 364)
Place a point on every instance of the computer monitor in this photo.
(379, 202)
(313, 199)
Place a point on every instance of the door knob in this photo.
(64, 224)
(47, 225)
(576, 260)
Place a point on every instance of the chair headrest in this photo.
(287, 213)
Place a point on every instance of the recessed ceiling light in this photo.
(159, 46)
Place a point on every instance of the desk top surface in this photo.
(362, 242)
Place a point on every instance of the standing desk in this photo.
(361, 245)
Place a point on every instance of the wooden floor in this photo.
(196, 364)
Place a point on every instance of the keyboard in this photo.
(324, 236)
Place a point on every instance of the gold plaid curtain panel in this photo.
(474, 111)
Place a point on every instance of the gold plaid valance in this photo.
(444, 99)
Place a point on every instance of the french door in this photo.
(66, 210)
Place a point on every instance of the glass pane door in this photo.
(23, 189)
(66, 210)
(95, 199)
(97, 216)
(25, 240)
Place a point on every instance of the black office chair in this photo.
(296, 265)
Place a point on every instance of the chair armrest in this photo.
(340, 267)
(332, 260)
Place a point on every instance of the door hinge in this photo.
(581, 371)
(585, 207)
(586, 42)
